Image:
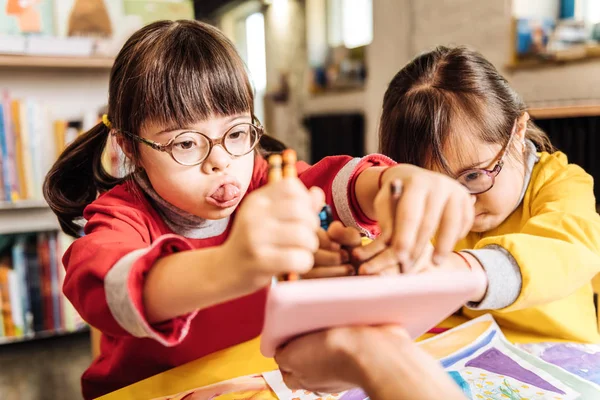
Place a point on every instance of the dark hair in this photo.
(170, 73)
(438, 89)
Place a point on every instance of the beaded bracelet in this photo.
(464, 258)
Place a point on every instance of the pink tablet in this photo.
(416, 302)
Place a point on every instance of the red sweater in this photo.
(124, 236)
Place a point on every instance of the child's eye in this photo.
(473, 176)
(236, 135)
(186, 144)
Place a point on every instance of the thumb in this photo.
(317, 197)
(398, 331)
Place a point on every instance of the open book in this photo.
(476, 355)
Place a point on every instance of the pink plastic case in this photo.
(416, 302)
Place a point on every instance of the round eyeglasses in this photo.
(480, 180)
(192, 148)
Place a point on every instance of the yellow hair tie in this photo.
(106, 121)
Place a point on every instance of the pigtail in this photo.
(77, 177)
(539, 138)
(269, 145)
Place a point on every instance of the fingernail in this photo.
(335, 246)
(351, 270)
(437, 259)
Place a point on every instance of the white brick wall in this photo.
(404, 28)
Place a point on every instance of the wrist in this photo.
(466, 260)
(381, 174)
(234, 271)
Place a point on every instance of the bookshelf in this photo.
(41, 335)
(566, 111)
(48, 90)
(26, 216)
(24, 61)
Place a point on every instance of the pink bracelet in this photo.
(464, 258)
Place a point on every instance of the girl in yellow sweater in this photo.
(536, 231)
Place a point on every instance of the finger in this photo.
(325, 242)
(329, 272)
(450, 229)
(424, 261)
(317, 197)
(409, 215)
(435, 206)
(385, 260)
(469, 215)
(398, 331)
(327, 258)
(294, 210)
(390, 271)
(288, 234)
(346, 236)
(279, 261)
(291, 381)
(370, 250)
(284, 358)
(286, 190)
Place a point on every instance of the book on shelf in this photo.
(31, 141)
(31, 278)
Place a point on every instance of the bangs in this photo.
(188, 72)
(435, 124)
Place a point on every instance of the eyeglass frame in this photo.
(168, 147)
(492, 173)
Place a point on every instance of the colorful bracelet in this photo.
(464, 258)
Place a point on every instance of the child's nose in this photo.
(218, 160)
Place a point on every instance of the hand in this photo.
(382, 360)
(430, 202)
(325, 361)
(274, 233)
(333, 257)
(389, 266)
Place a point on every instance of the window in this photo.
(588, 11)
(350, 23)
(256, 58)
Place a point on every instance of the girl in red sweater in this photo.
(177, 255)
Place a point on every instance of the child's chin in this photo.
(218, 213)
(484, 223)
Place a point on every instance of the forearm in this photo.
(366, 188)
(550, 269)
(478, 273)
(406, 373)
(187, 281)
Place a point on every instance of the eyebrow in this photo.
(172, 128)
(477, 165)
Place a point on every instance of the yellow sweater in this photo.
(554, 236)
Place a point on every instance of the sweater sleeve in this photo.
(558, 248)
(337, 177)
(106, 270)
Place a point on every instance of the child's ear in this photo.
(522, 127)
(126, 146)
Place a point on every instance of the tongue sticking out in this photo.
(225, 193)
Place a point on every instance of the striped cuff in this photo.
(123, 286)
(504, 278)
(344, 199)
